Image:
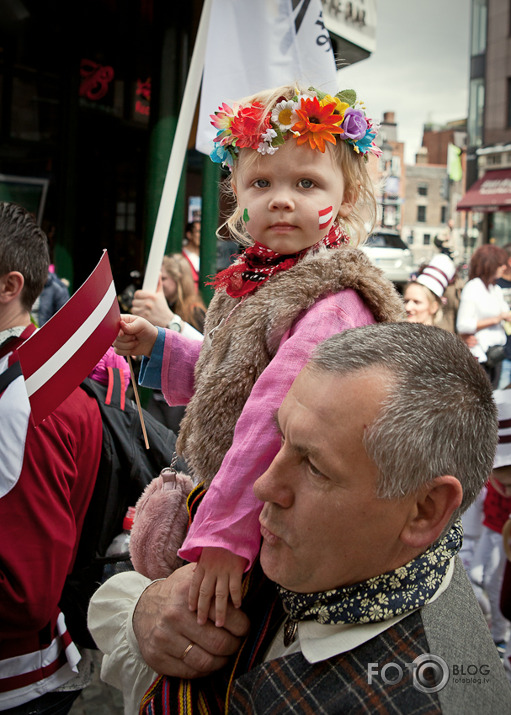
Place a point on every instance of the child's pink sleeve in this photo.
(228, 516)
(180, 355)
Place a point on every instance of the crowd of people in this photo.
(336, 435)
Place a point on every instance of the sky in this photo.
(420, 68)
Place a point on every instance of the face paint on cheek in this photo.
(325, 216)
(246, 217)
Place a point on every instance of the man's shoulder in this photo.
(448, 637)
(79, 411)
(458, 635)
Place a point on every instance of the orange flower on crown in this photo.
(317, 124)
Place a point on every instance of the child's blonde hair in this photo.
(358, 187)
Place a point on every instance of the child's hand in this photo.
(218, 575)
(136, 336)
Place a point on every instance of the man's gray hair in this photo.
(439, 416)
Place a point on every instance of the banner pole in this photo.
(178, 153)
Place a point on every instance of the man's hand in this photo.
(165, 627)
(136, 336)
(152, 306)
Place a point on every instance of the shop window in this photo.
(125, 218)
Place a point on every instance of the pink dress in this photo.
(228, 514)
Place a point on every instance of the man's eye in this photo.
(306, 184)
(313, 470)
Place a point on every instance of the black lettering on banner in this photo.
(301, 14)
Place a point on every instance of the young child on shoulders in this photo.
(302, 194)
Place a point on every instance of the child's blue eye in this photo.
(306, 184)
(261, 183)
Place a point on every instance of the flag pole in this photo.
(178, 153)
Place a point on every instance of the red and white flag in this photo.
(56, 358)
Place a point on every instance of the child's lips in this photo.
(282, 227)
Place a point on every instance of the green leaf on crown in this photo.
(347, 95)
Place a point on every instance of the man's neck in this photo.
(191, 248)
(507, 276)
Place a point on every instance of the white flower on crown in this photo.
(265, 146)
(284, 115)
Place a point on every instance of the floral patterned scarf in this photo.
(259, 263)
(380, 598)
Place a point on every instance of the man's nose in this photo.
(274, 484)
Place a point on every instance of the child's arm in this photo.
(136, 336)
(217, 575)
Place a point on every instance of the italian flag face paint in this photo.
(325, 216)
(246, 217)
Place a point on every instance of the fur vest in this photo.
(242, 337)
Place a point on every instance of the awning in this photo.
(491, 193)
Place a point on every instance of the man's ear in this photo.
(11, 285)
(434, 507)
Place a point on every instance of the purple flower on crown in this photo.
(354, 124)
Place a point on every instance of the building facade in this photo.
(487, 202)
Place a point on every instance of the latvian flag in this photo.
(325, 216)
(56, 358)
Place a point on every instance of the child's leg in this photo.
(493, 576)
(476, 573)
(472, 521)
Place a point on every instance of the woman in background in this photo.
(423, 296)
(177, 306)
(483, 308)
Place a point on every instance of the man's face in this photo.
(322, 524)
(194, 235)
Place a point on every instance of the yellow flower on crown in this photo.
(340, 107)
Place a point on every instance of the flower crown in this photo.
(314, 117)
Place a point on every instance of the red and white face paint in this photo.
(325, 216)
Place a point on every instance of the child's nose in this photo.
(282, 200)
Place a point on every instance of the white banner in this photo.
(255, 45)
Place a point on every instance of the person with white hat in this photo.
(423, 296)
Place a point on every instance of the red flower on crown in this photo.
(248, 125)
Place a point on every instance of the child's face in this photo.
(290, 199)
(501, 480)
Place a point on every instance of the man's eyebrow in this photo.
(303, 450)
(275, 420)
